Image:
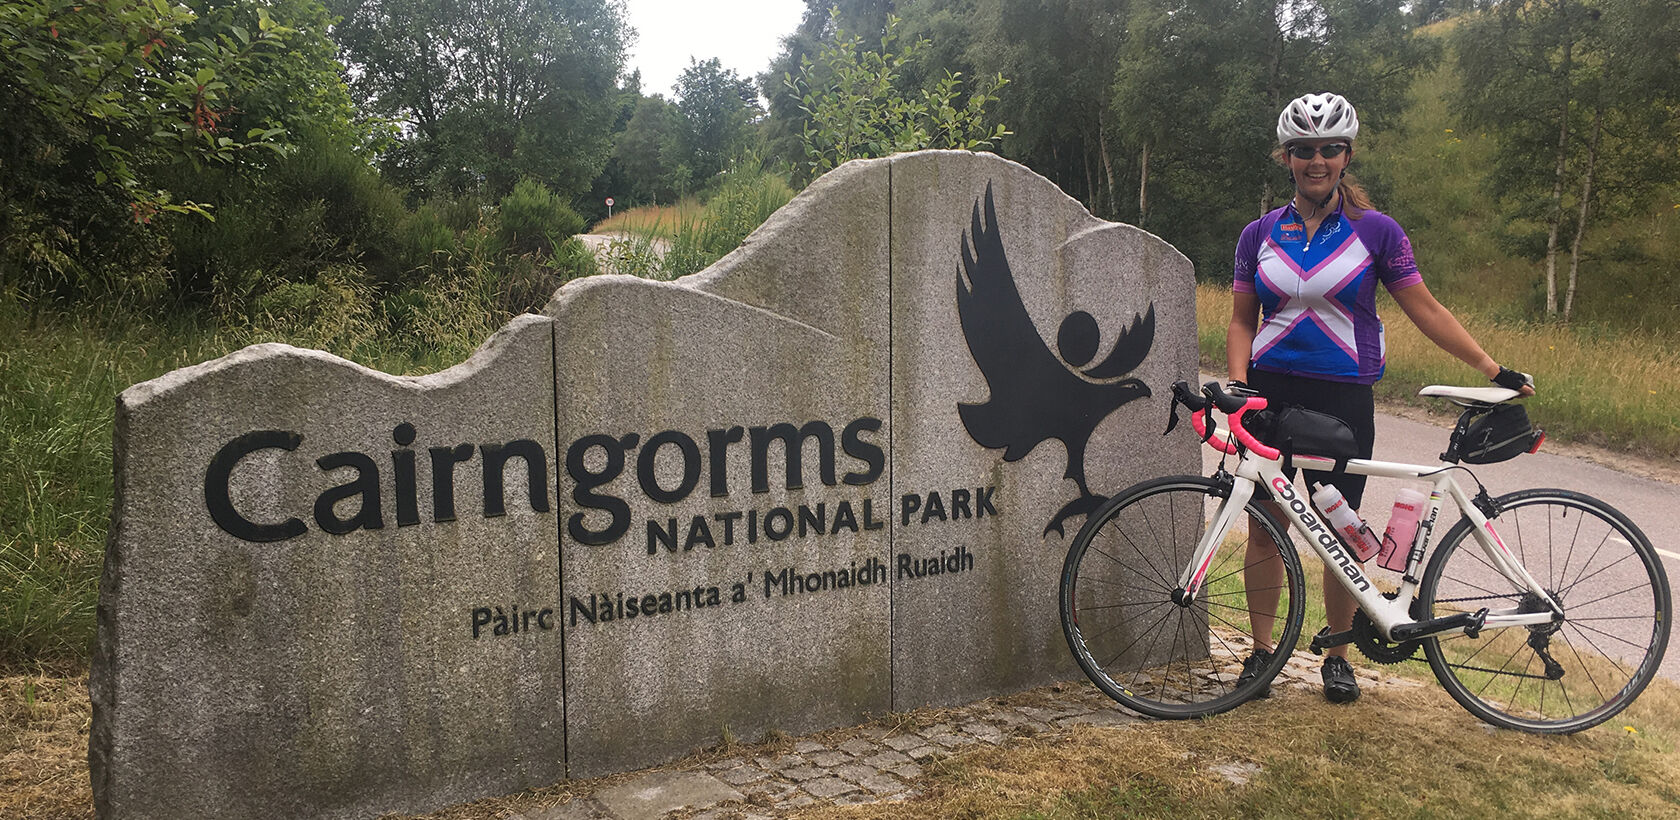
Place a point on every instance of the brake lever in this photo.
(1180, 395)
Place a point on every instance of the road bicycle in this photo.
(1543, 610)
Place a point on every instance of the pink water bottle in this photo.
(1346, 522)
(1402, 528)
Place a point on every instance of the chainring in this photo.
(1374, 646)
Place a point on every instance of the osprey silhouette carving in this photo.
(1037, 394)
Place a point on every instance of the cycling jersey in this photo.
(1318, 298)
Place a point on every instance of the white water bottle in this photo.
(1402, 528)
(1353, 532)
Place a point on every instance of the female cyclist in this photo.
(1304, 327)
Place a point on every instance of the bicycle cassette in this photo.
(1373, 645)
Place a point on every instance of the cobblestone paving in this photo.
(883, 761)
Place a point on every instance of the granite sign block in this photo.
(331, 592)
(1034, 346)
(731, 458)
(831, 476)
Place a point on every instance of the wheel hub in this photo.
(1531, 602)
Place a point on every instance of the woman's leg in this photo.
(1339, 607)
(1262, 583)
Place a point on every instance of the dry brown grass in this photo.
(44, 721)
(654, 220)
(1399, 752)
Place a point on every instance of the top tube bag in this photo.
(1296, 430)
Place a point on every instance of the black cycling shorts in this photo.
(1352, 403)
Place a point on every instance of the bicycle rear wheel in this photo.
(1567, 675)
(1155, 652)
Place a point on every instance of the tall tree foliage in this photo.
(784, 134)
(1581, 99)
(718, 109)
(489, 91)
(1060, 56)
(652, 153)
(1159, 112)
(105, 106)
(1199, 86)
(857, 105)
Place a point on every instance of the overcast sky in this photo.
(745, 34)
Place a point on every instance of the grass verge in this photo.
(61, 376)
(1401, 751)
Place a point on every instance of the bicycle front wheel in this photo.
(1134, 633)
(1562, 676)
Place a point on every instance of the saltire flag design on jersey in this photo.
(1318, 296)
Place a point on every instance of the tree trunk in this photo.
(1555, 215)
(1143, 186)
(1108, 166)
(1586, 202)
(1274, 94)
(1090, 182)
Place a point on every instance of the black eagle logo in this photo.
(1037, 394)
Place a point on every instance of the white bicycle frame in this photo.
(1255, 469)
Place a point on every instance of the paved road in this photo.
(1653, 505)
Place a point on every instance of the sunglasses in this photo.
(1307, 152)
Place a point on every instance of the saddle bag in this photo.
(1298, 431)
(1498, 434)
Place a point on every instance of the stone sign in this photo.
(832, 476)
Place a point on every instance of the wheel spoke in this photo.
(1163, 588)
(1607, 594)
(1584, 666)
(1597, 572)
(1573, 605)
(1583, 630)
(1153, 632)
(1178, 661)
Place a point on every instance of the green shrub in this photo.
(529, 281)
(424, 236)
(573, 260)
(338, 310)
(318, 207)
(534, 220)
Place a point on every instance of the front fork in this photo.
(1190, 582)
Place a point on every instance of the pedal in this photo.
(1326, 639)
(1474, 628)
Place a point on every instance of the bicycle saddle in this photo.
(1470, 395)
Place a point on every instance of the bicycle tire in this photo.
(1615, 597)
(1132, 640)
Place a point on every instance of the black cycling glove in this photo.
(1512, 379)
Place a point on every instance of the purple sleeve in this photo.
(1396, 266)
(1248, 258)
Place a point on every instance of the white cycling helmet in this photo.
(1317, 116)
